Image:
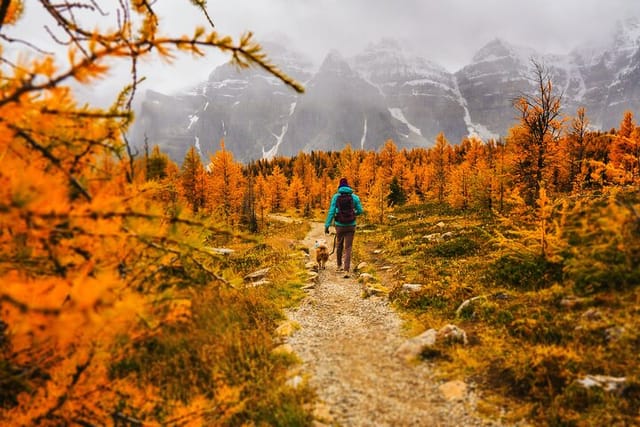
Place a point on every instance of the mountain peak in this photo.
(628, 33)
(389, 61)
(335, 63)
(498, 49)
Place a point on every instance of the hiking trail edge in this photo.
(347, 346)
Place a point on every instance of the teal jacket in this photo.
(333, 209)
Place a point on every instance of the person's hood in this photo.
(346, 190)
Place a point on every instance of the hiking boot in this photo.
(347, 275)
(339, 269)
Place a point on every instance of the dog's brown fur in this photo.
(322, 254)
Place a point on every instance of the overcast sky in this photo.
(447, 32)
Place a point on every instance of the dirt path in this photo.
(347, 343)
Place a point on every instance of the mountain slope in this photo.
(385, 92)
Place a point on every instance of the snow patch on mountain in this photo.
(271, 153)
(364, 134)
(235, 84)
(397, 114)
(197, 144)
(473, 129)
(193, 118)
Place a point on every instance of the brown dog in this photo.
(322, 254)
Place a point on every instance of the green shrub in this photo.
(457, 247)
(525, 273)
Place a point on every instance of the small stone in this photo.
(361, 266)
(411, 287)
(371, 290)
(448, 235)
(432, 237)
(257, 275)
(258, 283)
(413, 347)
(452, 333)
(605, 382)
(454, 390)
(295, 382)
(222, 251)
(440, 224)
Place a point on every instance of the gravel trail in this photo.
(347, 345)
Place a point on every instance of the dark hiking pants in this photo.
(344, 241)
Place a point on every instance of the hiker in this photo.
(345, 205)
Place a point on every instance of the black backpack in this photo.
(346, 210)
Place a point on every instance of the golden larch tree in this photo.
(225, 186)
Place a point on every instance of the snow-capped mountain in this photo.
(385, 92)
(249, 109)
(418, 93)
(611, 76)
(340, 107)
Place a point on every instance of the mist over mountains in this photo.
(384, 93)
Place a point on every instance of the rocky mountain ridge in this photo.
(384, 93)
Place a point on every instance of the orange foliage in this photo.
(82, 239)
(225, 186)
